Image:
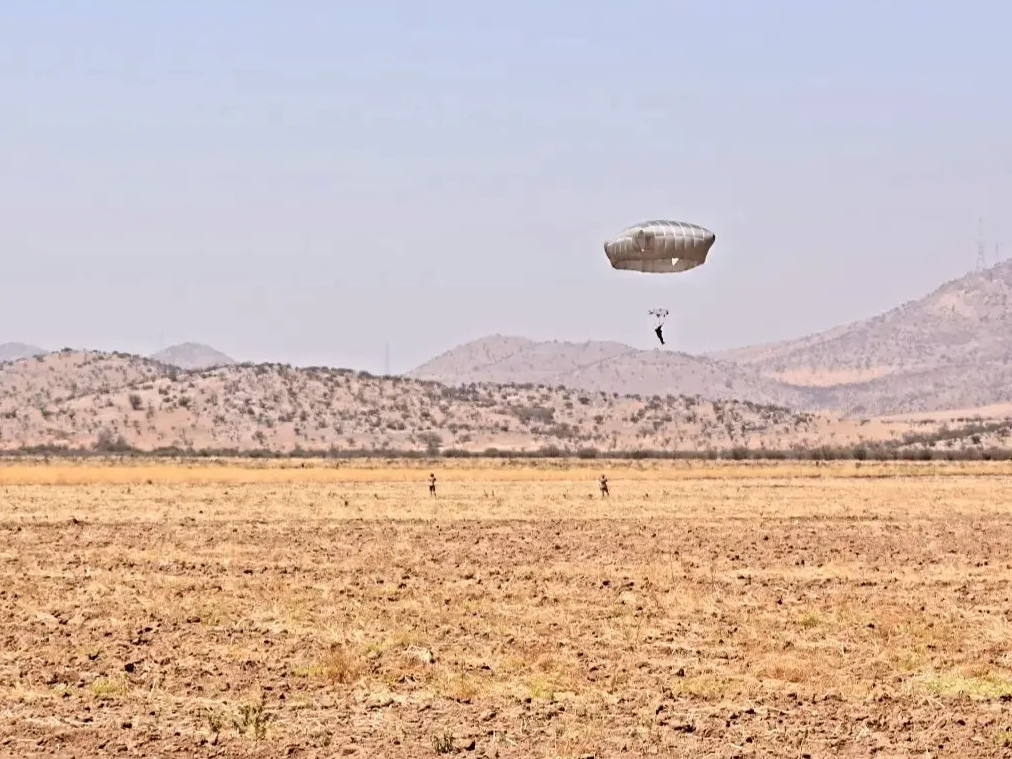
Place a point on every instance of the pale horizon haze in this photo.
(308, 182)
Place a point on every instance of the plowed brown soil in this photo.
(315, 610)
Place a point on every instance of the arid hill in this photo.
(975, 387)
(949, 350)
(608, 367)
(192, 356)
(966, 321)
(91, 399)
(15, 351)
(53, 379)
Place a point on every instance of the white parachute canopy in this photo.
(660, 247)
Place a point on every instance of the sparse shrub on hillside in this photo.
(563, 431)
(108, 441)
(432, 441)
(530, 414)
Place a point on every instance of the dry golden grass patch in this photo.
(258, 609)
(484, 472)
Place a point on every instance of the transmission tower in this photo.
(981, 262)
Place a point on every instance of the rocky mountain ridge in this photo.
(951, 349)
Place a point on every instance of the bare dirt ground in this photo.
(312, 610)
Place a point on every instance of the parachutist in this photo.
(660, 246)
(660, 314)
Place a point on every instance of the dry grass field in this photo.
(318, 609)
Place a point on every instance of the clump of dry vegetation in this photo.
(321, 608)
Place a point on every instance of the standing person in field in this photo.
(432, 484)
(604, 486)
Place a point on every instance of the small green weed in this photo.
(254, 718)
(442, 744)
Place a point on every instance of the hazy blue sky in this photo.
(306, 181)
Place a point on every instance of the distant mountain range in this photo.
(604, 366)
(182, 355)
(948, 354)
(192, 356)
(15, 351)
(951, 349)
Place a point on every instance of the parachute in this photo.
(660, 247)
